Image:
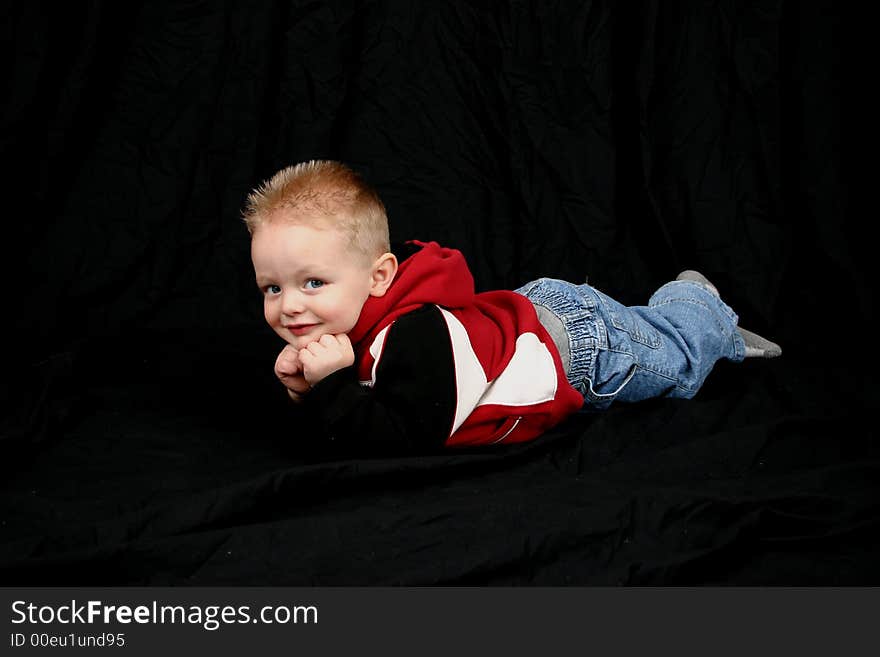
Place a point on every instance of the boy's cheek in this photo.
(272, 315)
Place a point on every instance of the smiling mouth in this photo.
(300, 329)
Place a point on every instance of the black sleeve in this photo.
(411, 407)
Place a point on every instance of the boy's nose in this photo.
(292, 304)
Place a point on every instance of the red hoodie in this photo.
(486, 369)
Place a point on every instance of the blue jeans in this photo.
(664, 349)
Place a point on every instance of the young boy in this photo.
(396, 349)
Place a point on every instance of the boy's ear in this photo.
(384, 271)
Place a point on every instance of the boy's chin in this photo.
(302, 341)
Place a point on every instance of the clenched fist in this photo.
(289, 371)
(321, 358)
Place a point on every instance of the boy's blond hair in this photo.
(326, 194)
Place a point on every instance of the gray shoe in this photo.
(697, 277)
(756, 346)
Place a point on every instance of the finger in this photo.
(293, 356)
(287, 363)
(310, 357)
(287, 357)
(315, 348)
(285, 368)
(298, 384)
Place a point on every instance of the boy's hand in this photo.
(322, 358)
(289, 371)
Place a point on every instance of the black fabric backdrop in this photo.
(144, 439)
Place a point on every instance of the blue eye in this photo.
(314, 284)
(273, 289)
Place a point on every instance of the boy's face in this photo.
(312, 282)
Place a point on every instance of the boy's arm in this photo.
(411, 407)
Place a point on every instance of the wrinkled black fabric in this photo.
(144, 439)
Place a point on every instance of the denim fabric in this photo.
(664, 349)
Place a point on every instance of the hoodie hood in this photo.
(433, 274)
